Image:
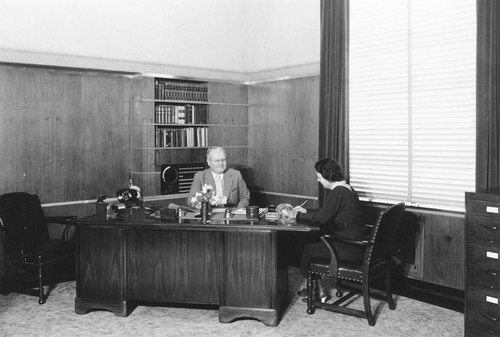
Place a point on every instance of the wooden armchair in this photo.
(375, 264)
(31, 258)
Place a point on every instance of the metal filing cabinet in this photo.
(482, 295)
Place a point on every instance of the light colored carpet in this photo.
(21, 315)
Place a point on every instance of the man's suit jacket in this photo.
(235, 188)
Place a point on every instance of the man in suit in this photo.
(228, 184)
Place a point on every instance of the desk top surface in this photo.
(140, 217)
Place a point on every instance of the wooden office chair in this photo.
(375, 264)
(31, 258)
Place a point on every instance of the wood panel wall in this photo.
(64, 134)
(443, 249)
(234, 134)
(283, 135)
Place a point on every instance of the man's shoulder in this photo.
(233, 172)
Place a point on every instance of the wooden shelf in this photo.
(187, 125)
(188, 102)
(226, 124)
(185, 147)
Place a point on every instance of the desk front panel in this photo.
(249, 263)
(173, 266)
(101, 265)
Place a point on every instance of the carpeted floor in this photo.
(20, 315)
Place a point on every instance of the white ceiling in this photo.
(229, 39)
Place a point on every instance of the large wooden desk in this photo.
(238, 266)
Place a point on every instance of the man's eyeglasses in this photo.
(219, 161)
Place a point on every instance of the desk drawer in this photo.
(483, 231)
(482, 311)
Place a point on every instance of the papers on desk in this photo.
(243, 211)
(273, 216)
(218, 210)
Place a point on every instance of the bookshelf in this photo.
(174, 121)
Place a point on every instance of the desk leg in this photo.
(254, 279)
(100, 275)
(269, 317)
(83, 306)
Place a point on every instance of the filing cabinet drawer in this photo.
(483, 266)
(483, 277)
(472, 331)
(481, 231)
(483, 256)
(482, 310)
(488, 207)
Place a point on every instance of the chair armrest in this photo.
(333, 256)
(328, 240)
(61, 219)
(68, 221)
(358, 243)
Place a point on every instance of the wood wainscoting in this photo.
(64, 134)
(438, 245)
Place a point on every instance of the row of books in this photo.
(181, 114)
(185, 137)
(181, 91)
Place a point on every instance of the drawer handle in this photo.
(493, 228)
(488, 317)
(491, 272)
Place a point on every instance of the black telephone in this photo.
(130, 194)
(127, 194)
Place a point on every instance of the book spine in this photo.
(189, 114)
(164, 133)
(157, 137)
(203, 114)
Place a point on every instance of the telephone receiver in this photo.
(133, 193)
(127, 194)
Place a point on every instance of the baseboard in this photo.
(445, 297)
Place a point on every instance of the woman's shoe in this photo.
(323, 297)
(302, 292)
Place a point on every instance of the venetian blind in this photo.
(412, 101)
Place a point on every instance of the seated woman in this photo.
(340, 215)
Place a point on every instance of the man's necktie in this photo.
(218, 185)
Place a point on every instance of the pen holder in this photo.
(204, 211)
(252, 212)
(101, 209)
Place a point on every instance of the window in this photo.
(412, 101)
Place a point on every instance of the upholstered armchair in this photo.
(31, 259)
